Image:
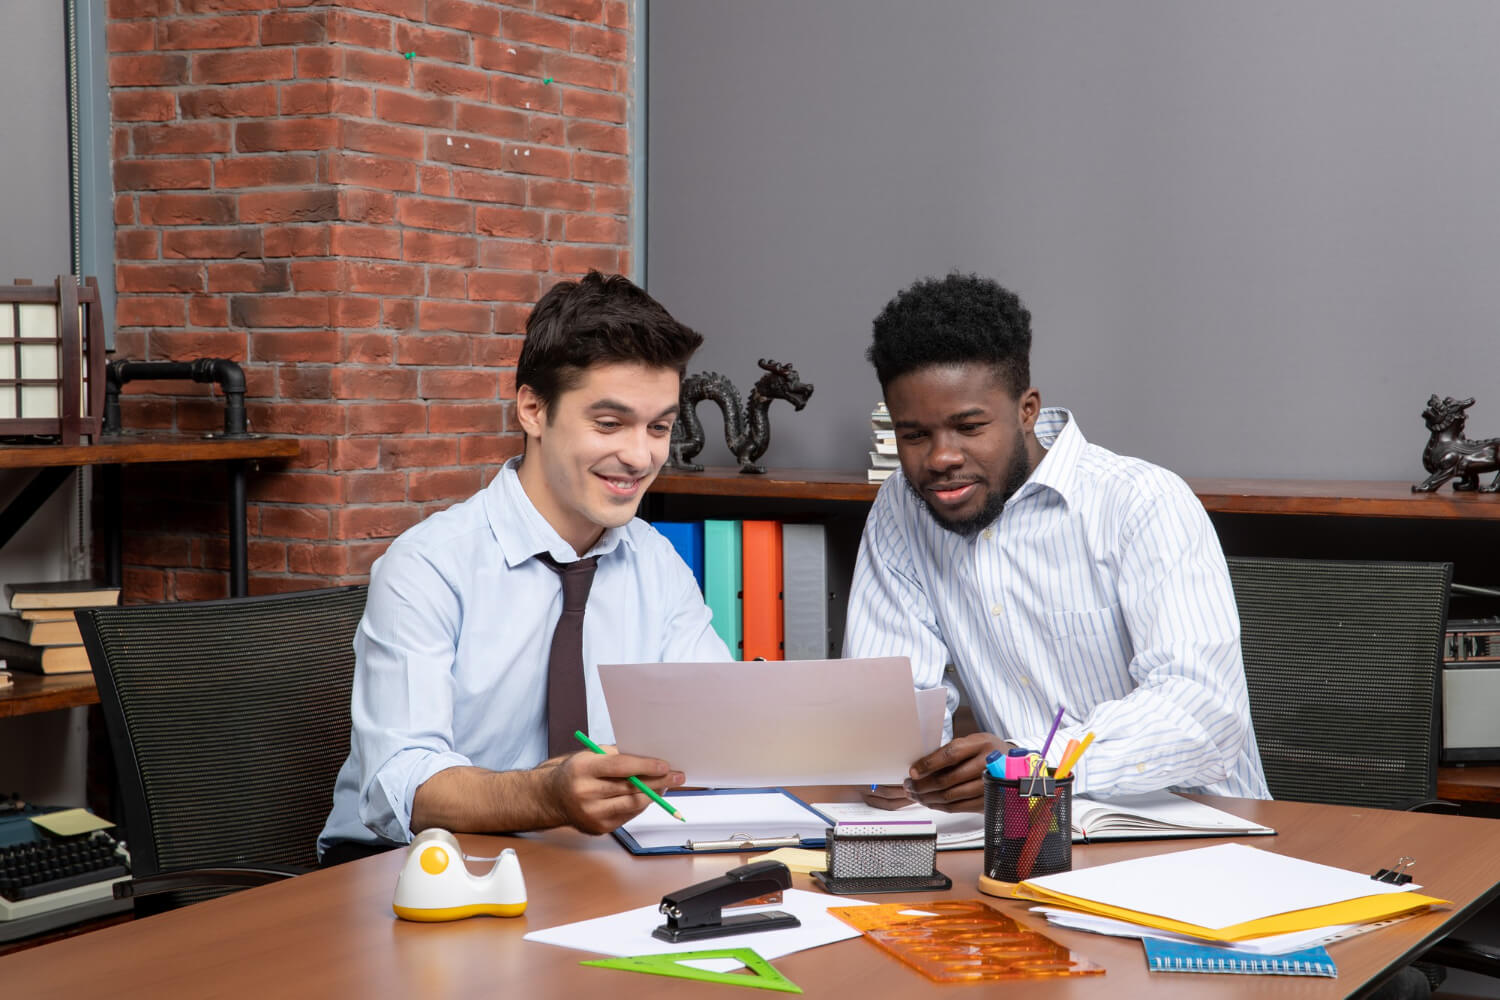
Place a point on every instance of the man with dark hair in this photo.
(1049, 572)
(477, 655)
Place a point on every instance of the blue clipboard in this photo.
(810, 830)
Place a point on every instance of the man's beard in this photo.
(994, 503)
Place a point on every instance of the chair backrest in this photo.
(228, 721)
(1343, 662)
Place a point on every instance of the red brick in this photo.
(159, 278)
(505, 255)
(320, 62)
(387, 140)
(211, 243)
(318, 275)
(294, 522)
(443, 484)
(499, 352)
(617, 13)
(428, 213)
(301, 487)
(411, 10)
(345, 312)
(506, 56)
(600, 138)
(477, 19)
(601, 43)
(208, 311)
(326, 97)
(446, 283)
(364, 241)
(162, 175)
(130, 343)
(438, 248)
(361, 205)
(355, 453)
(537, 30)
(210, 6)
(147, 414)
(612, 200)
(378, 521)
(144, 585)
(581, 72)
(137, 244)
(258, 312)
(195, 585)
(409, 452)
(596, 229)
(434, 349)
(294, 28)
(207, 32)
(297, 241)
(250, 66)
(384, 279)
(142, 105)
(437, 384)
(559, 194)
(590, 104)
(530, 94)
(186, 209)
(603, 169)
(286, 133)
(462, 317)
(578, 10)
(435, 180)
(386, 418)
(317, 560)
(197, 137)
(185, 345)
(374, 383)
(536, 160)
(289, 206)
(433, 43)
(371, 171)
(498, 123)
(545, 130)
(160, 551)
(151, 311)
(305, 381)
(136, 36)
(473, 186)
(248, 276)
(398, 314)
(265, 171)
(376, 487)
(414, 109)
(359, 30)
(501, 286)
(484, 449)
(463, 418)
(260, 381)
(451, 80)
(283, 417)
(511, 317)
(377, 67)
(514, 223)
(579, 260)
(228, 102)
(148, 71)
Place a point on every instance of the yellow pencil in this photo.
(1070, 761)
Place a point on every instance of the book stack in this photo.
(883, 458)
(43, 637)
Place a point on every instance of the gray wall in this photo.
(1254, 237)
(34, 212)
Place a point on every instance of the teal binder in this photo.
(1183, 956)
(722, 581)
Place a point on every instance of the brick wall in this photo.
(358, 200)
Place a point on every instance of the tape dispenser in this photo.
(435, 884)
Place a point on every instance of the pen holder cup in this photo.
(1027, 835)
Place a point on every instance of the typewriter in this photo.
(48, 881)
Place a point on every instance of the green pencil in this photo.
(637, 782)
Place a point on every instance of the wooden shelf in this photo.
(779, 484)
(44, 692)
(1471, 783)
(134, 449)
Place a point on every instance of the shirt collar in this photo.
(1058, 432)
(522, 531)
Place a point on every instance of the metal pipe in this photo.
(228, 374)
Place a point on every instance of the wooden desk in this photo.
(331, 933)
(42, 693)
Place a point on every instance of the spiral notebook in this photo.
(1183, 956)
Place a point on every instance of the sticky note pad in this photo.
(70, 822)
(797, 859)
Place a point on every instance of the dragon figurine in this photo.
(1449, 453)
(747, 431)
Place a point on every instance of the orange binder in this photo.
(761, 569)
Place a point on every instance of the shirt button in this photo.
(995, 609)
(1140, 769)
(1026, 682)
(989, 533)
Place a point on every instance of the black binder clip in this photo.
(1396, 875)
(1036, 786)
(696, 912)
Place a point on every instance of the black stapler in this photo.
(696, 912)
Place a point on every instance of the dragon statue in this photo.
(747, 431)
(1449, 453)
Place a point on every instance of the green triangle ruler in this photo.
(758, 973)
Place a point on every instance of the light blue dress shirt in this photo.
(451, 656)
(1100, 587)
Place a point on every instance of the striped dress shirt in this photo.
(1101, 587)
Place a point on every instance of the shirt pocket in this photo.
(1063, 626)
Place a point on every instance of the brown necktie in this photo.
(567, 702)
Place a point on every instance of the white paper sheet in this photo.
(732, 816)
(1271, 944)
(790, 722)
(1217, 886)
(629, 933)
(956, 831)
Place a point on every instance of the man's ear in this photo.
(1028, 408)
(530, 411)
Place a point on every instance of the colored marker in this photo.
(994, 763)
(637, 782)
(1071, 762)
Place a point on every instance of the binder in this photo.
(687, 538)
(805, 590)
(722, 581)
(1183, 956)
(762, 589)
(724, 821)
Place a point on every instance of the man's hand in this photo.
(592, 791)
(888, 797)
(951, 778)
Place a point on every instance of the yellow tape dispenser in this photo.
(435, 884)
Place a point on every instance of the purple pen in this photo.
(1052, 732)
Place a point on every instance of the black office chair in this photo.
(1343, 661)
(228, 721)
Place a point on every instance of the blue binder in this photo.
(811, 831)
(687, 538)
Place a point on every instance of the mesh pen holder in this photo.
(1028, 828)
(881, 858)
